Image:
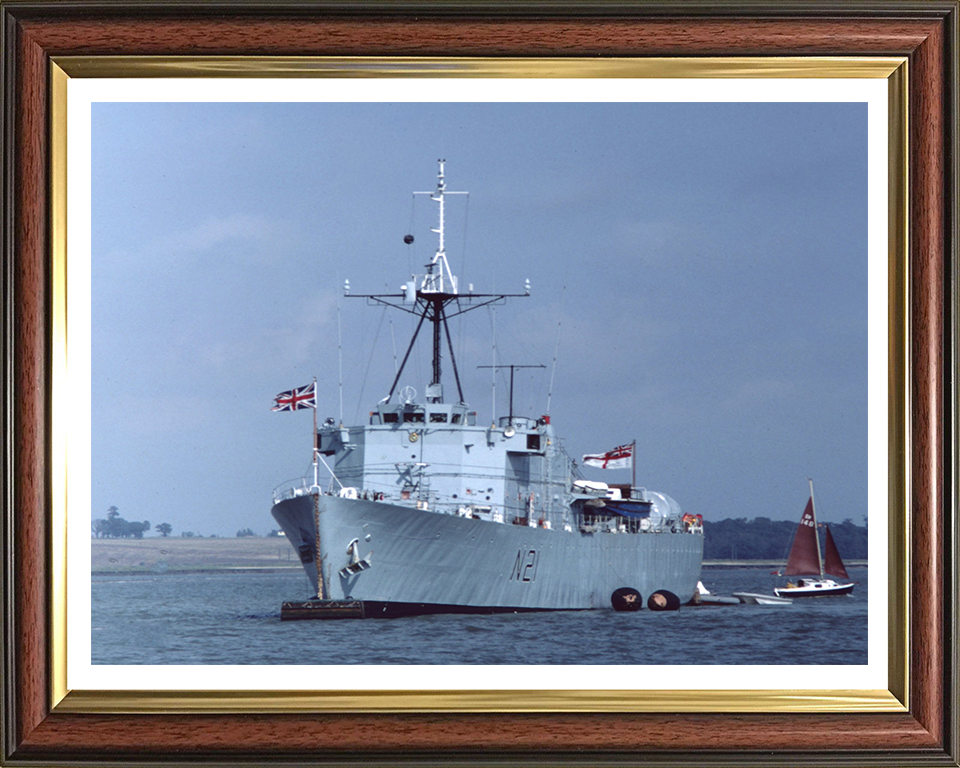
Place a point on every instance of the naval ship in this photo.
(430, 510)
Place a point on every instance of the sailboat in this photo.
(805, 560)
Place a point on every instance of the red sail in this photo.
(803, 560)
(832, 563)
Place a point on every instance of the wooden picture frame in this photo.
(39, 728)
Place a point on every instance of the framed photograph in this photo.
(248, 320)
(869, 93)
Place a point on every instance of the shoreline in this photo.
(133, 570)
(180, 555)
(767, 563)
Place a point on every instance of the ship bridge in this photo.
(435, 456)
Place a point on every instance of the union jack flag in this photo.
(295, 399)
(619, 458)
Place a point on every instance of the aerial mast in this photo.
(439, 278)
(512, 368)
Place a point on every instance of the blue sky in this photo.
(704, 266)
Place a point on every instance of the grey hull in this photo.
(430, 561)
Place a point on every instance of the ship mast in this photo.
(435, 297)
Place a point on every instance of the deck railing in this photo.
(301, 486)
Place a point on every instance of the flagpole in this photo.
(633, 464)
(313, 437)
(321, 587)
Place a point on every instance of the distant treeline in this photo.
(766, 539)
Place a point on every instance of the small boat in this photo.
(805, 560)
(703, 597)
(754, 598)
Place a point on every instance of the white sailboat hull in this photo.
(815, 588)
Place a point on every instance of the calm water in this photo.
(234, 618)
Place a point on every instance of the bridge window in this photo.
(438, 418)
(533, 442)
(390, 418)
(411, 416)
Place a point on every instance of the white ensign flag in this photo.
(620, 457)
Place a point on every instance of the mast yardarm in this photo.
(434, 297)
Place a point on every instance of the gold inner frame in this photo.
(893, 69)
